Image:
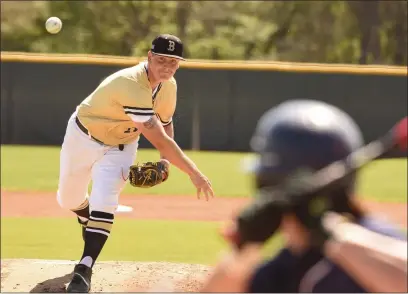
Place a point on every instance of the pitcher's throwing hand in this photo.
(203, 185)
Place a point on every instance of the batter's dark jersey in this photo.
(312, 272)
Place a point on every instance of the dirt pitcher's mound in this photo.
(39, 276)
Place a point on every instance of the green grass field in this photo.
(132, 240)
(384, 180)
(39, 168)
(36, 169)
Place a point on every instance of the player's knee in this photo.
(105, 200)
(68, 201)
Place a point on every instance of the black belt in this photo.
(83, 129)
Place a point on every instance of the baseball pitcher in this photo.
(101, 142)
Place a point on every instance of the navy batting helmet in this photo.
(300, 136)
(293, 140)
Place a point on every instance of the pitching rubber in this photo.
(124, 208)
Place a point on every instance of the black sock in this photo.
(82, 210)
(96, 234)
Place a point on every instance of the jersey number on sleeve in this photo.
(131, 130)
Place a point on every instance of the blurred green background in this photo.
(358, 32)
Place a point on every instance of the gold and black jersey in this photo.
(123, 98)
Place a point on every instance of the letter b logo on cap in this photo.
(171, 45)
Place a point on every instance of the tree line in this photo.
(356, 32)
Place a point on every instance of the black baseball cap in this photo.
(168, 45)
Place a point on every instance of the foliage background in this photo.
(357, 32)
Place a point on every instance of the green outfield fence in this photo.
(219, 102)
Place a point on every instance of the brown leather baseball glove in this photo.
(148, 174)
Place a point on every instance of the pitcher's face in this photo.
(163, 67)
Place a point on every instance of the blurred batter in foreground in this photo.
(323, 251)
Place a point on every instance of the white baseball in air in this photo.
(53, 25)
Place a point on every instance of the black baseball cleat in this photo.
(81, 281)
(83, 227)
